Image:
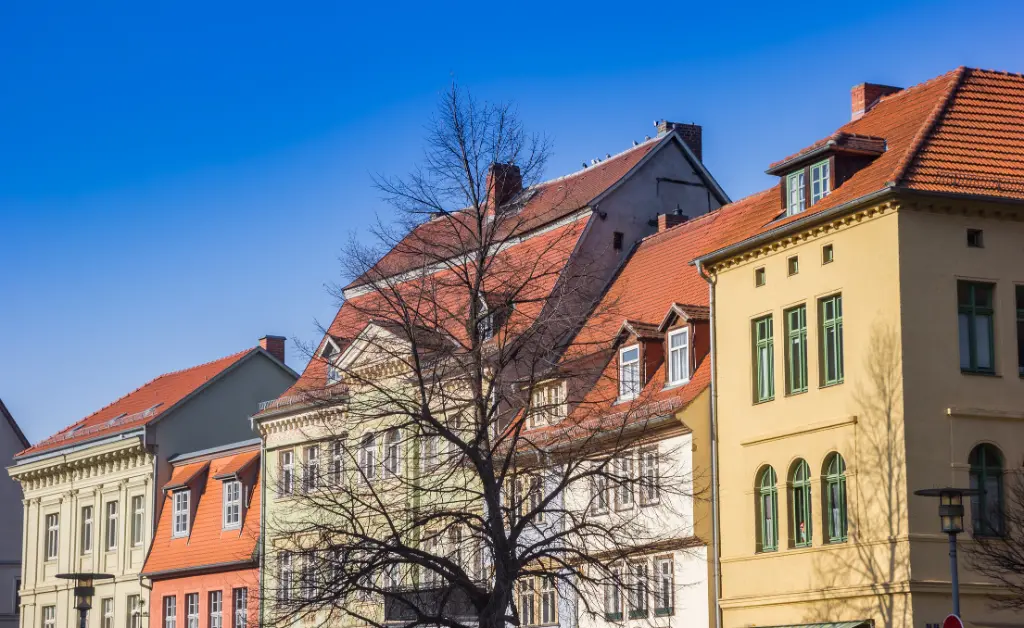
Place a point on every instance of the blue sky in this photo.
(177, 179)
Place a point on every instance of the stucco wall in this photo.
(225, 582)
(10, 525)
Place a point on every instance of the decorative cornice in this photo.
(62, 470)
(806, 429)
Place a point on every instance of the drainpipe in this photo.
(716, 543)
(263, 520)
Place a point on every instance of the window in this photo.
(974, 239)
(617, 237)
(86, 529)
(49, 617)
(832, 340)
(664, 591)
(180, 513)
(650, 481)
(821, 183)
(548, 601)
(393, 452)
(827, 254)
(485, 321)
(111, 526)
(548, 405)
(52, 536)
(527, 602)
(638, 586)
(629, 372)
(623, 477)
(170, 611)
(240, 602)
(337, 462)
(793, 265)
(307, 576)
(284, 577)
(987, 477)
(216, 604)
(975, 326)
(311, 469)
(287, 473)
(760, 277)
(534, 497)
(678, 356)
(107, 609)
(134, 611)
(764, 358)
(1020, 330)
(613, 595)
(429, 451)
(835, 491)
(768, 511)
(796, 350)
(138, 518)
(368, 456)
(191, 610)
(232, 504)
(329, 356)
(599, 492)
(800, 504)
(795, 191)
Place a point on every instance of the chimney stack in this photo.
(274, 345)
(667, 221)
(689, 133)
(865, 96)
(504, 181)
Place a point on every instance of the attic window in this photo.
(678, 356)
(180, 512)
(333, 372)
(485, 322)
(629, 372)
(548, 405)
(232, 504)
(798, 197)
(974, 239)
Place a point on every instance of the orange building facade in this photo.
(203, 564)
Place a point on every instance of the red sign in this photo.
(952, 622)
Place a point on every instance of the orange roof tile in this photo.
(139, 407)
(237, 465)
(185, 475)
(208, 543)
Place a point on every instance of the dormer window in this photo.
(548, 405)
(678, 356)
(798, 196)
(629, 372)
(821, 182)
(795, 190)
(181, 513)
(232, 504)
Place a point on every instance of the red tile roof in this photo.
(237, 465)
(959, 133)
(139, 407)
(185, 475)
(208, 543)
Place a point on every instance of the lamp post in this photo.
(951, 517)
(84, 590)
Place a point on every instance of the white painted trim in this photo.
(639, 384)
(668, 350)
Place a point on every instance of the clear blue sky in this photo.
(176, 178)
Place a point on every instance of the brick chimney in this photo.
(667, 221)
(274, 345)
(689, 133)
(865, 96)
(504, 181)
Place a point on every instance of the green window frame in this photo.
(835, 491)
(987, 477)
(768, 511)
(1020, 330)
(764, 359)
(800, 504)
(796, 201)
(975, 326)
(830, 311)
(821, 182)
(796, 350)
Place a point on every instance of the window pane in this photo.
(983, 341)
(965, 341)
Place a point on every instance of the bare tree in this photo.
(1001, 556)
(469, 466)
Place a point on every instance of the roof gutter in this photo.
(796, 225)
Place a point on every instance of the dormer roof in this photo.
(642, 331)
(687, 312)
(185, 476)
(839, 143)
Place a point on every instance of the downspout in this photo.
(716, 542)
(263, 518)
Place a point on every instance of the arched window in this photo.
(835, 493)
(987, 477)
(800, 503)
(768, 511)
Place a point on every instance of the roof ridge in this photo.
(709, 215)
(606, 160)
(137, 389)
(929, 124)
(1002, 72)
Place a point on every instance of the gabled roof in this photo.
(961, 133)
(185, 475)
(6, 414)
(143, 406)
(208, 545)
(686, 312)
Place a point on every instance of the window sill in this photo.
(638, 614)
(832, 384)
(794, 393)
(663, 612)
(613, 616)
(650, 503)
(979, 373)
(838, 541)
(773, 550)
(672, 385)
(758, 402)
(621, 400)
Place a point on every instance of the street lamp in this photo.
(951, 516)
(84, 590)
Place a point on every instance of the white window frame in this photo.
(138, 520)
(430, 456)
(52, 535)
(624, 393)
(191, 610)
(87, 527)
(107, 610)
(134, 611)
(674, 378)
(368, 456)
(170, 611)
(821, 170)
(49, 617)
(287, 460)
(650, 476)
(240, 604)
(284, 576)
(113, 515)
(232, 507)
(548, 405)
(310, 468)
(392, 462)
(796, 182)
(215, 608)
(664, 597)
(624, 470)
(181, 513)
(337, 469)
